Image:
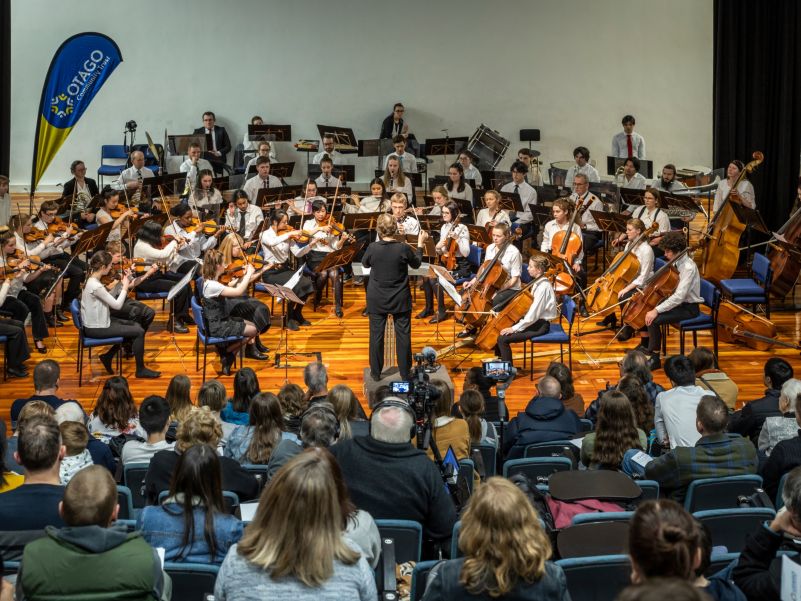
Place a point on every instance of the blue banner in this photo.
(80, 67)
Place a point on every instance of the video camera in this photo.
(419, 392)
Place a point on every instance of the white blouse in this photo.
(97, 302)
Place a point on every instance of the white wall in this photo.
(569, 67)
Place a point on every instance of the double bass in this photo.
(785, 264)
(722, 239)
(603, 294)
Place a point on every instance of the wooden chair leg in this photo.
(681, 340)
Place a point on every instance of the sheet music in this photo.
(293, 281)
(450, 289)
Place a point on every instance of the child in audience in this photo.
(246, 386)
(178, 397)
(75, 437)
(254, 443)
(615, 433)
(115, 412)
(154, 417)
(471, 405)
(212, 395)
(572, 399)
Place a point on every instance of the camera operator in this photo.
(391, 479)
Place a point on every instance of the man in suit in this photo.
(218, 147)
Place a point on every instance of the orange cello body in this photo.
(784, 265)
(506, 318)
(736, 324)
(722, 243)
(489, 279)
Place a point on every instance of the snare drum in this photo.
(488, 146)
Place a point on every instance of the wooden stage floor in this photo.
(343, 344)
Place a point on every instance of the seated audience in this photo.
(74, 437)
(89, 558)
(154, 417)
(570, 398)
(46, 381)
(246, 386)
(212, 395)
(658, 589)
(115, 412)
(179, 397)
(471, 406)
(29, 411)
(707, 376)
(475, 379)
(199, 427)
(395, 465)
(505, 552)
(748, 421)
(643, 408)
(674, 412)
(28, 509)
(292, 406)
(100, 452)
(315, 376)
(300, 505)
(319, 428)
(448, 431)
(719, 586)
(714, 455)
(545, 419)
(785, 456)
(758, 570)
(9, 479)
(781, 427)
(352, 421)
(191, 524)
(615, 433)
(255, 442)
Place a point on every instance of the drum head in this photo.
(488, 146)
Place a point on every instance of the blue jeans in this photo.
(631, 467)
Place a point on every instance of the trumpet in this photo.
(619, 175)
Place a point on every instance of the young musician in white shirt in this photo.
(492, 214)
(628, 143)
(302, 205)
(377, 202)
(649, 213)
(263, 180)
(632, 178)
(243, 217)
(439, 195)
(745, 190)
(395, 179)
(470, 171)
(326, 179)
(581, 154)
(265, 150)
(206, 199)
(456, 186)
(528, 195)
(322, 243)
(407, 159)
(408, 225)
(562, 209)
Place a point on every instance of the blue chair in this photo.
(557, 335)
(754, 290)
(587, 425)
(650, 489)
(537, 469)
(125, 501)
(116, 152)
(475, 256)
(606, 516)
(719, 493)
(489, 455)
(133, 477)
(457, 527)
(419, 578)
(10, 568)
(556, 448)
(230, 500)
(204, 338)
(705, 321)
(191, 580)
(146, 296)
(408, 537)
(467, 470)
(730, 527)
(720, 561)
(85, 342)
(598, 578)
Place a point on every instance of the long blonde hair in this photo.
(502, 540)
(401, 175)
(297, 530)
(227, 246)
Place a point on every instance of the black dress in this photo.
(220, 323)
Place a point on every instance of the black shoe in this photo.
(147, 373)
(226, 361)
(654, 362)
(338, 312)
(177, 327)
(624, 334)
(583, 311)
(365, 312)
(252, 353)
(465, 334)
(610, 321)
(187, 320)
(425, 313)
(40, 349)
(304, 322)
(127, 352)
(17, 372)
(62, 316)
(106, 359)
(52, 322)
(293, 325)
(259, 346)
(438, 318)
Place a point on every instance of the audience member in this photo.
(758, 570)
(246, 386)
(781, 427)
(90, 558)
(154, 417)
(544, 419)
(382, 392)
(315, 376)
(74, 437)
(719, 585)
(674, 412)
(748, 421)
(658, 589)
(352, 421)
(319, 428)
(30, 410)
(115, 412)
(212, 395)
(255, 442)
(46, 381)
(448, 431)
(615, 433)
(643, 408)
(403, 483)
(785, 456)
(570, 398)
(707, 376)
(292, 406)
(191, 524)
(714, 455)
(475, 379)
(100, 452)
(199, 427)
(9, 479)
(179, 397)
(471, 406)
(28, 509)
(634, 363)
(294, 547)
(505, 552)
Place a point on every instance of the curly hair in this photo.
(616, 431)
(199, 427)
(643, 408)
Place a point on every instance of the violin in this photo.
(35, 262)
(35, 235)
(207, 228)
(117, 212)
(453, 246)
(59, 226)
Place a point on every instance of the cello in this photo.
(603, 294)
(513, 312)
(489, 279)
(722, 240)
(569, 244)
(656, 289)
(737, 324)
(784, 264)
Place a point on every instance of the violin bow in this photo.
(169, 215)
(24, 246)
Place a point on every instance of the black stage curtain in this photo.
(5, 86)
(757, 96)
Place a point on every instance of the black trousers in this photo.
(17, 345)
(251, 309)
(128, 330)
(76, 274)
(538, 328)
(136, 312)
(589, 239)
(675, 315)
(163, 283)
(27, 302)
(403, 342)
(502, 298)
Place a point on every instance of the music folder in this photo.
(344, 138)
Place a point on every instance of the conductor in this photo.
(388, 293)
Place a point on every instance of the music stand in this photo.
(269, 133)
(344, 139)
(173, 292)
(287, 295)
(607, 192)
(373, 148)
(360, 221)
(349, 171)
(615, 163)
(92, 240)
(550, 193)
(611, 223)
(445, 146)
(339, 258)
(446, 283)
(632, 197)
(510, 201)
(479, 234)
(753, 221)
(540, 215)
(179, 144)
(282, 170)
(495, 179)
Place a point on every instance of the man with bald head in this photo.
(90, 557)
(132, 177)
(390, 478)
(545, 419)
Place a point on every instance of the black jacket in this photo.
(386, 128)
(758, 572)
(69, 187)
(784, 457)
(223, 142)
(388, 288)
(748, 421)
(545, 419)
(396, 481)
